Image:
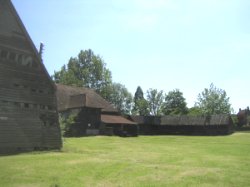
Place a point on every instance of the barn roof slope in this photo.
(222, 119)
(115, 119)
(14, 33)
(75, 97)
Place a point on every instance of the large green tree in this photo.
(213, 101)
(86, 70)
(175, 103)
(155, 100)
(121, 98)
(140, 103)
(89, 70)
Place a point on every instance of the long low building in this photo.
(93, 114)
(190, 125)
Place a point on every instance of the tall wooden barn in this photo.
(93, 114)
(28, 113)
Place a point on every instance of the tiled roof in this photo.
(114, 119)
(75, 97)
(183, 120)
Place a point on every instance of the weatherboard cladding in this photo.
(213, 125)
(183, 120)
(28, 115)
(196, 120)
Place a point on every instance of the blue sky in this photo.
(162, 44)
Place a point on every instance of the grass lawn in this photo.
(141, 161)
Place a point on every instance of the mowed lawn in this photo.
(140, 161)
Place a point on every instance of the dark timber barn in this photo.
(94, 115)
(189, 125)
(28, 114)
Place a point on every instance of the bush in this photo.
(66, 124)
(235, 120)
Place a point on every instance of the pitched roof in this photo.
(196, 120)
(114, 119)
(183, 120)
(75, 97)
(146, 119)
(13, 28)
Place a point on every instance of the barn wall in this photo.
(28, 114)
(88, 120)
(189, 125)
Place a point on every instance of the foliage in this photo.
(140, 103)
(213, 101)
(104, 161)
(86, 70)
(194, 111)
(89, 70)
(175, 103)
(155, 101)
(120, 98)
(143, 107)
(235, 120)
(138, 94)
(66, 123)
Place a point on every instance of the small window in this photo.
(26, 105)
(33, 90)
(20, 59)
(12, 56)
(50, 107)
(42, 107)
(4, 54)
(16, 85)
(35, 106)
(17, 104)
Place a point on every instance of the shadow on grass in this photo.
(19, 152)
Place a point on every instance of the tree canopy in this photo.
(89, 70)
(155, 100)
(121, 98)
(86, 70)
(213, 101)
(140, 103)
(175, 103)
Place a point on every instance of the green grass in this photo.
(142, 161)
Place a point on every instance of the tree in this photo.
(194, 111)
(155, 101)
(66, 124)
(138, 94)
(175, 103)
(89, 70)
(120, 98)
(140, 104)
(86, 70)
(213, 101)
